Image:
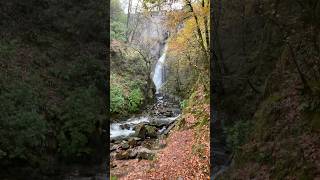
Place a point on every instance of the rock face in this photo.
(151, 27)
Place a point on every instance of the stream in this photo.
(125, 129)
(139, 137)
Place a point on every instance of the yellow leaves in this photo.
(201, 11)
(174, 18)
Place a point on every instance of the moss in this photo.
(113, 177)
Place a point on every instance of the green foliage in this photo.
(79, 115)
(117, 21)
(120, 103)
(23, 129)
(117, 31)
(52, 80)
(114, 178)
(126, 95)
(183, 103)
(117, 101)
(135, 99)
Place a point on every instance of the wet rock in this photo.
(176, 106)
(114, 147)
(125, 145)
(125, 126)
(160, 122)
(113, 155)
(143, 153)
(122, 155)
(140, 131)
(132, 154)
(146, 145)
(168, 114)
(132, 142)
(162, 130)
(136, 138)
(151, 131)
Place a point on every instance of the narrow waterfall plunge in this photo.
(158, 76)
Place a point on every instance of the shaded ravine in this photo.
(139, 137)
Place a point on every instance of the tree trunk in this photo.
(202, 42)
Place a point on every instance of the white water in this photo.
(116, 131)
(159, 71)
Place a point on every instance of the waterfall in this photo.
(158, 76)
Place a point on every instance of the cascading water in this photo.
(159, 71)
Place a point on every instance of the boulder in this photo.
(151, 131)
(132, 142)
(140, 131)
(168, 113)
(125, 126)
(143, 153)
(136, 138)
(125, 145)
(122, 155)
(113, 155)
(114, 147)
(133, 154)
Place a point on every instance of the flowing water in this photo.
(126, 128)
(159, 116)
(158, 76)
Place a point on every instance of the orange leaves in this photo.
(174, 18)
(174, 161)
(201, 11)
(181, 42)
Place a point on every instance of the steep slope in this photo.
(268, 96)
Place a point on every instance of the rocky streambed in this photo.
(140, 137)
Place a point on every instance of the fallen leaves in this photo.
(186, 156)
(174, 161)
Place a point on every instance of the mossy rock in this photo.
(123, 155)
(140, 131)
(146, 155)
(151, 131)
